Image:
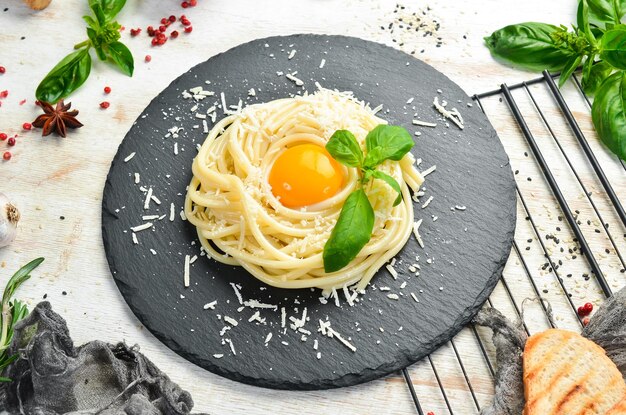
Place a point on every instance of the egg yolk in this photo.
(305, 174)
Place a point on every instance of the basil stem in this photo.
(530, 46)
(351, 233)
(609, 113)
(66, 77)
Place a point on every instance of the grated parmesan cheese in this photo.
(186, 272)
(141, 227)
(129, 157)
(424, 123)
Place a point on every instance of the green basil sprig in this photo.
(597, 42)
(103, 36)
(354, 226)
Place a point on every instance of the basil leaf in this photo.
(108, 8)
(528, 45)
(613, 47)
(569, 69)
(609, 113)
(345, 149)
(582, 19)
(97, 10)
(95, 41)
(91, 22)
(391, 182)
(606, 11)
(67, 76)
(121, 56)
(598, 72)
(351, 233)
(386, 142)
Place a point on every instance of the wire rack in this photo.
(569, 238)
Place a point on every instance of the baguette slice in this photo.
(566, 374)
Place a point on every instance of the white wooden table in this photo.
(57, 183)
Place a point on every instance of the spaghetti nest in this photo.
(240, 222)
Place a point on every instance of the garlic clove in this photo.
(9, 216)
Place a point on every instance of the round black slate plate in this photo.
(461, 263)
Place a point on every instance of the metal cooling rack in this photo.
(571, 178)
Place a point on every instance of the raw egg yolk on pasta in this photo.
(305, 174)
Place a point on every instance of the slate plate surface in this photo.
(461, 263)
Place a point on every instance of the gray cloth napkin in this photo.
(52, 377)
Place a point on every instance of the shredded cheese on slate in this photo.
(231, 321)
(268, 337)
(232, 346)
(136, 178)
(223, 98)
(416, 232)
(153, 251)
(424, 123)
(141, 227)
(150, 217)
(457, 207)
(210, 305)
(429, 170)
(415, 297)
(315, 344)
(218, 355)
(193, 259)
(172, 213)
(295, 80)
(237, 293)
(254, 316)
(453, 115)
(410, 101)
(146, 203)
(392, 271)
(135, 241)
(283, 317)
(291, 54)
(393, 296)
(129, 157)
(186, 272)
(322, 63)
(155, 199)
(326, 330)
(425, 205)
(252, 92)
(257, 304)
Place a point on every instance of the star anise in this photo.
(56, 119)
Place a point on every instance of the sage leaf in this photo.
(66, 77)
(391, 182)
(529, 45)
(351, 233)
(345, 149)
(609, 113)
(613, 47)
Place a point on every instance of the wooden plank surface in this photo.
(57, 183)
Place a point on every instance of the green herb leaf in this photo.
(606, 11)
(67, 76)
(386, 142)
(569, 69)
(97, 10)
(108, 8)
(18, 279)
(595, 75)
(609, 113)
(121, 56)
(613, 47)
(391, 182)
(351, 233)
(345, 149)
(530, 46)
(583, 20)
(91, 22)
